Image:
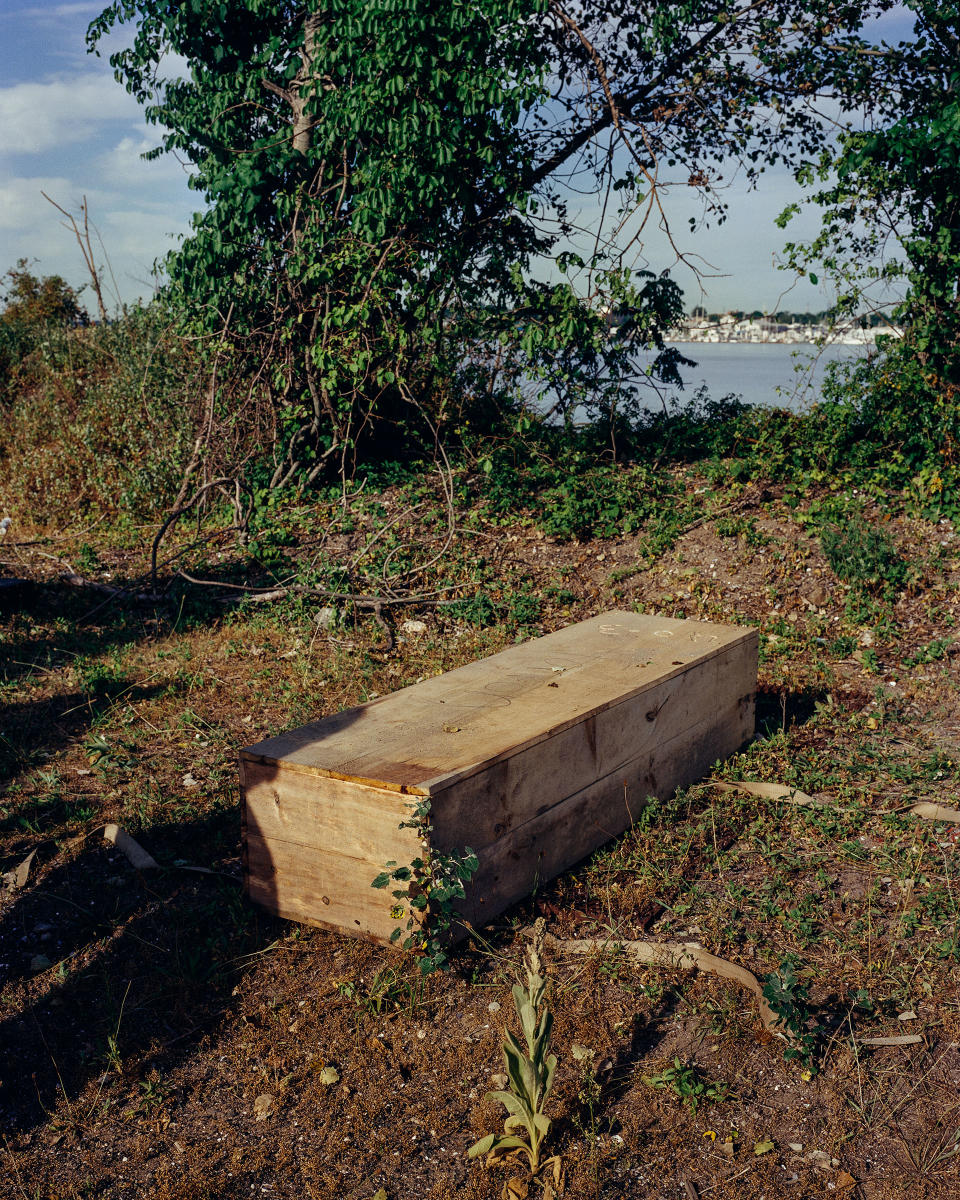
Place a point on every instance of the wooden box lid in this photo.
(427, 736)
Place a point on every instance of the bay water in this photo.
(771, 374)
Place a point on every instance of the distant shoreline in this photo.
(770, 341)
(799, 335)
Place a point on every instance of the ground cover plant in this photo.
(164, 1035)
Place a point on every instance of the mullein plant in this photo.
(530, 1071)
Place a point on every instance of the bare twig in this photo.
(86, 249)
(242, 524)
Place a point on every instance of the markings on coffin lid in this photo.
(509, 687)
(482, 700)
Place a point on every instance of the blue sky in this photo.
(68, 129)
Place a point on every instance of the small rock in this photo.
(39, 962)
(190, 782)
(413, 628)
(262, 1106)
(815, 594)
(326, 618)
(493, 1006)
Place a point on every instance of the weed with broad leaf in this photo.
(530, 1071)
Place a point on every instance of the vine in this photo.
(432, 885)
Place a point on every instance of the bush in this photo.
(99, 420)
(34, 310)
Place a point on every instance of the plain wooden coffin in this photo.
(532, 757)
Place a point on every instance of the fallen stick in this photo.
(790, 795)
(770, 791)
(935, 812)
(136, 854)
(72, 579)
(686, 957)
(143, 861)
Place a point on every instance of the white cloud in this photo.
(36, 117)
(136, 226)
(123, 166)
(22, 207)
(64, 10)
(140, 233)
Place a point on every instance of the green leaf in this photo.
(511, 1103)
(484, 1146)
(503, 1144)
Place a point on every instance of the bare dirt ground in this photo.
(161, 1037)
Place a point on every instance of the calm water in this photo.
(764, 373)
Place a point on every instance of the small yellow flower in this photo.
(711, 1134)
(397, 911)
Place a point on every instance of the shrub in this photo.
(99, 420)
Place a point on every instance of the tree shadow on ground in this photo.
(84, 626)
(36, 729)
(119, 966)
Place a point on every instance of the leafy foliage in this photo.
(891, 200)
(99, 419)
(33, 309)
(788, 998)
(686, 1083)
(433, 883)
(862, 554)
(34, 302)
(388, 190)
